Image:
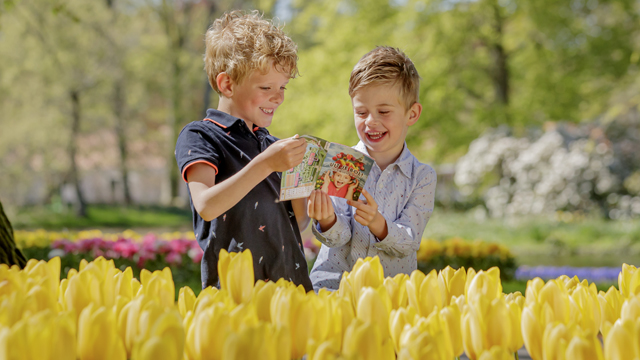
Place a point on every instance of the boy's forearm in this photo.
(221, 197)
(300, 210)
(378, 227)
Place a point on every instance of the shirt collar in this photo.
(225, 121)
(403, 162)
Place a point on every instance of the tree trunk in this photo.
(501, 70)
(9, 252)
(121, 133)
(73, 149)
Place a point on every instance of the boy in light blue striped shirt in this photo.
(399, 192)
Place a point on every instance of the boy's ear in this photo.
(414, 113)
(225, 84)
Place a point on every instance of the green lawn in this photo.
(104, 216)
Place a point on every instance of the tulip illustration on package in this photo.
(334, 168)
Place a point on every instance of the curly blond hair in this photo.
(390, 66)
(238, 43)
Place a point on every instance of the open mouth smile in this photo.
(376, 136)
(267, 111)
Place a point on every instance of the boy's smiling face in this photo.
(382, 121)
(340, 179)
(257, 97)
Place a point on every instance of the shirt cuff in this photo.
(332, 235)
(393, 238)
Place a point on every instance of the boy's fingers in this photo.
(370, 199)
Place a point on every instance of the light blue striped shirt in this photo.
(404, 192)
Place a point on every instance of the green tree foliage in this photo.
(483, 63)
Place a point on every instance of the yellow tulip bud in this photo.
(236, 275)
(186, 300)
(532, 330)
(629, 281)
(452, 283)
(610, 307)
(630, 309)
(396, 287)
(97, 335)
(485, 284)
(424, 292)
(452, 315)
(622, 341)
(496, 353)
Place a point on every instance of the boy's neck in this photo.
(226, 106)
(385, 159)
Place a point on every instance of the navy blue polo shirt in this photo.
(260, 221)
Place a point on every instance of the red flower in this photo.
(339, 156)
(335, 158)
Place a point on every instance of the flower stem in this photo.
(517, 357)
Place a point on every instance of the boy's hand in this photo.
(285, 154)
(320, 208)
(354, 184)
(368, 215)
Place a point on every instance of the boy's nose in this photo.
(370, 120)
(278, 98)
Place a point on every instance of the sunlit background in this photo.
(530, 112)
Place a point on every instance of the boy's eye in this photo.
(383, 112)
(265, 88)
(283, 88)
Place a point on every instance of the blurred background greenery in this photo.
(530, 110)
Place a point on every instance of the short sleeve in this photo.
(196, 145)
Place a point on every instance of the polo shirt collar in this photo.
(225, 121)
(404, 162)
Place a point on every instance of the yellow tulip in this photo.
(262, 294)
(208, 333)
(123, 284)
(471, 274)
(515, 317)
(243, 315)
(362, 341)
(629, 281)
(585, 307)
(630, 309)
(159, 285)
(164, 339)
(396, 287)
(452, 283)
(398, 320)
(236, 275)
(584, 346)
(327, 350)
(485, 324)
(555, 302)
(374, 305)
(97, 335)
(516, 298)
(532, 292)
(623, 341)
(290, 309)
(428, 339)
(367, 272)
(186, 300)
(555, 340)
(532, 330)
(262, 341)
(610, 307)
(485, 284)
(424, 292)
(452, 315)
(496, 353)
(43, 336)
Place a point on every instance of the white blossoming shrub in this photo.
(586, 168)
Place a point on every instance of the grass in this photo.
(103, 216)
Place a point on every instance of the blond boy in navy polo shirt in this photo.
(399, 192)
(230, 161)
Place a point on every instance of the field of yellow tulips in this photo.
(101, 312)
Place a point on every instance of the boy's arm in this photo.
(331, 227)
(212, 199)
(300, 210)
(401, 236)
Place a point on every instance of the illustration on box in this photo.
(334, 168)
